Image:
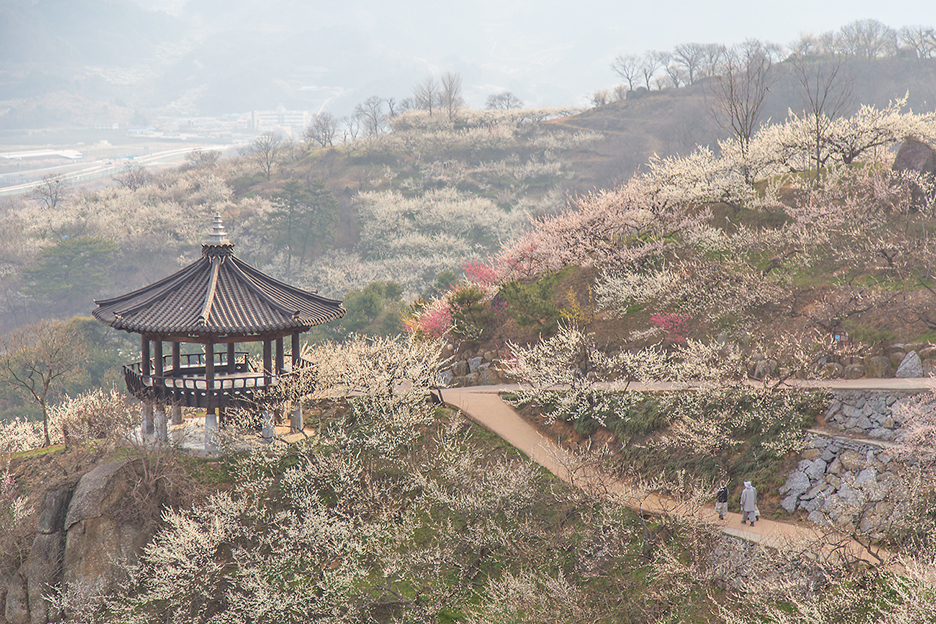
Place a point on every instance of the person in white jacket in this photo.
(748, 503)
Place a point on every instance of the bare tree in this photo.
(371, 115)
(826, 91)
(868, 39)
(202, 158)
(322, 130)
(677, 75)
(51, 191)
(740, 90)
(650, 63)
(426, 94)
(505, 100)
(600, 97)
(628, 67)
(133, 176)
(264, 151)
(713, 54)
(36, 357)
(690, 57)
(352, 126)
(921, 40)
(451, 94)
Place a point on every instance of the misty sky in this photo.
(230, 56)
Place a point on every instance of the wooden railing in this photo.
(188, 385)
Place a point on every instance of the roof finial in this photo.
(218, 236)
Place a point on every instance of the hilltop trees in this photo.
(740, 88)
(450, 94)
(265, 151)
(826, 93)
(322, 130)
(503, 101)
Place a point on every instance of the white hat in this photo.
(747, 484)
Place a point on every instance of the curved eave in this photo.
(218, 294)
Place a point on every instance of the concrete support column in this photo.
(176, 412)
(295, 419)
(268, 431)
(146, 426)
(161, 428)
(212, 440)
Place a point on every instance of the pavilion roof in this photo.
(217, 294)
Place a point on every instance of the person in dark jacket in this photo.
(721, 501)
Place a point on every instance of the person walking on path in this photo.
(748, 503)
(721, 501)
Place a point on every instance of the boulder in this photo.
(460, 369)
(910, 366)
(52, 516)
(43, 570)
(17, 603)
(474, 364)
(796, 484)
(866, 478)
(445, 378)
(832, 370)
(879, 366)
(103, 529)
(854, 371)
(916, 156)
(488, 376)
(816, 470)
(851, 460)
(811, 454)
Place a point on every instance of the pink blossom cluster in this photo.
(481, 273)
(673, 324)
(435, 320)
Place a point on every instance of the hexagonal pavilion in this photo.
(217, 300)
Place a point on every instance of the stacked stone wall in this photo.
(474, 368)
(849, 476)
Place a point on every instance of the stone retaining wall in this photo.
(843, 482)
(849, 482)
(866, 412)
(473, 369)
(896, 360)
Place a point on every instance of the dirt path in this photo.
(483, 405)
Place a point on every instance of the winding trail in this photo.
(483, 405)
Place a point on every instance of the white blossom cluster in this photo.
(782, 148)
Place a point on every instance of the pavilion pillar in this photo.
(232, 358)
(280, 356)
(295, 350)
(158, 363)
(267, 362)
(295, 418)
(176, 358)
(146, 425)
(176, 412)
(211, 418)
(145, 359)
